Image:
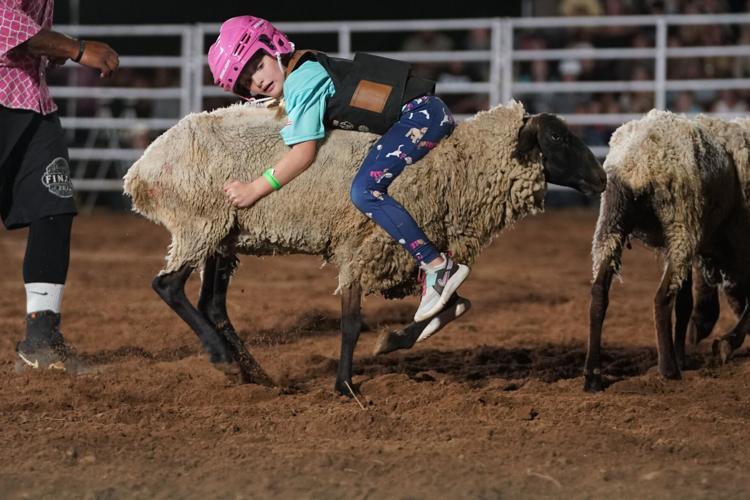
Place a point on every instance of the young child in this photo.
(251, 57)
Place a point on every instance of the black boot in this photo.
(44, 346)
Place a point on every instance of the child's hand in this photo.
(241, 195)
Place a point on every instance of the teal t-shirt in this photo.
(306, 92)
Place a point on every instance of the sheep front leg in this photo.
(171, 288)
(592, 370)
(663, 304)
(351, 324)
(217, 272)
(683, 308)
(732, 340)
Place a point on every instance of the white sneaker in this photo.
(437, 287)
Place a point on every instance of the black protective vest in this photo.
(370, 90)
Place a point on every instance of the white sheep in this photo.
(488, 174)
(676, 185)
(735, 137)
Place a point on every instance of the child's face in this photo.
(263, 76)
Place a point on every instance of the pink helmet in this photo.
(240, 38)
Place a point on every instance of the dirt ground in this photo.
(491, 407)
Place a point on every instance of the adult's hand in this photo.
(58, 47)
(100, 56)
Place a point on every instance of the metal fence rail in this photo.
(194, 92)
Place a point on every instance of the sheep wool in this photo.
(734, 136)
(462, 193)
(671, 161)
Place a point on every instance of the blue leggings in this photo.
(424, 122)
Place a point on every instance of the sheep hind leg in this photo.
(351, 325)
(171, 288)
(732, 340)
(705, 310)
(410, 335)
(736, 298)
(213, 305)
(683, 307)
(663, 304)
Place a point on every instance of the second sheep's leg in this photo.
(733, 340)
(217, 273)
(705, 308)
(171, 288)
(736, 298)
(351, 325)
(663, 304)
(737, 289)
(592, 370)
(683, 307)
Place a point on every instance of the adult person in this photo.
(35, 186)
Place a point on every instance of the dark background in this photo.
(162, 12)
(98, 12)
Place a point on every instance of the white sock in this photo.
(43, 297)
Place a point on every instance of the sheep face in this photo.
(566, 159)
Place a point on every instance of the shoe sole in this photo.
(450, 288)
(445, 316)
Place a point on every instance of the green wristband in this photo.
(273, 181)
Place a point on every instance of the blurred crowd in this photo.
(581, 70)
(593, 70)
(466, 100)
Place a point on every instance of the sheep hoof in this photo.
(670, 373)
(254, 374)
(250, 371)
(593, 383)
(346, 388)
(723, 350)
(422, 330)
(232, 371)
(239, 374)
(393, 341)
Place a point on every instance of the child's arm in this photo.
(296, 161)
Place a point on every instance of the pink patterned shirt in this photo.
(23, 81)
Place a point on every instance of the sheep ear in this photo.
(527, 138)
